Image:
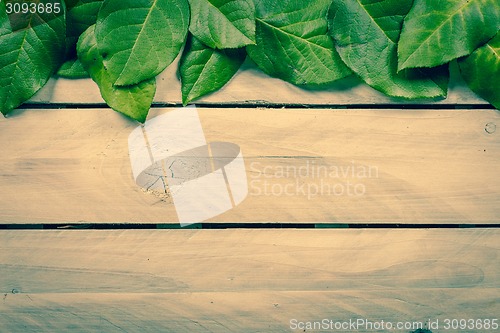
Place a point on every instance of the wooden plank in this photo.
(435, 166)
(244, 280)
(251, 86)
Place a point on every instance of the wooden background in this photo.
(65, 161)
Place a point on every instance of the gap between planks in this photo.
(224, 226)
(264, 105)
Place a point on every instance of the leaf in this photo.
(80, 16)
(436, 32)
(204, 70)
(292, 42)
(133, 101)
(223, 24)
(481, 71)
(29, 56)
(72, 69)
(138, 39)
(366, 35)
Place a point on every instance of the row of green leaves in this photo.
(399, 47)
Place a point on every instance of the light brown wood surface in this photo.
(430, 166)
(243, 280)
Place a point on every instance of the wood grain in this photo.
(435, 166)
(251, 86)
(243, 280)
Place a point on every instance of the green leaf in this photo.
(223, 24)
(204, 70)
(366, 34)
(80, 16)
(29, 56)
(138, 39)
(481, 71)
(133, 101)
(72, 69)
(292, 42)
(436, 32)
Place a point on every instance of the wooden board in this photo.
(426, 166)
(251, 86)
(243, 280)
